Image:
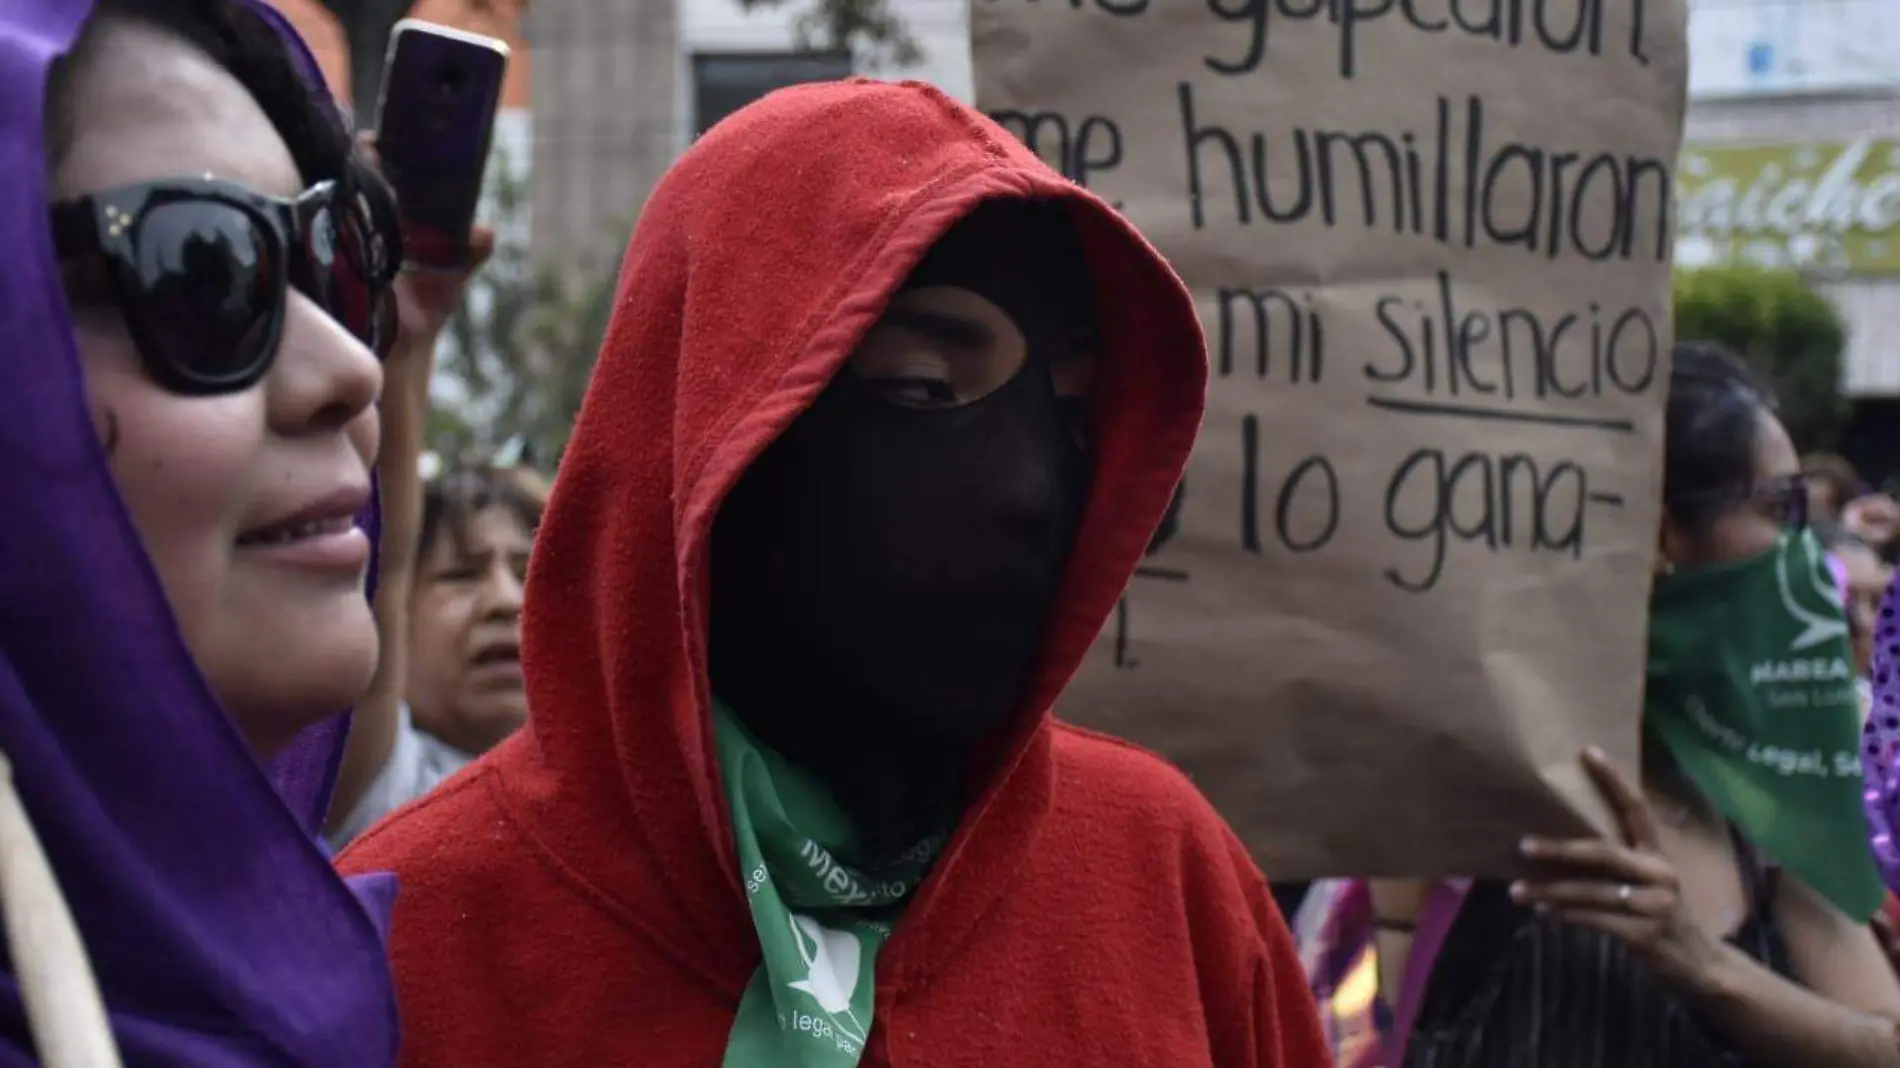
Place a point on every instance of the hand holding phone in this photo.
(435, 126)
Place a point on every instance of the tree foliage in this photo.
(516, 357)
(1789, 333)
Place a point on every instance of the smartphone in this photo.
(434, 127)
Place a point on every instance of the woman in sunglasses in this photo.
(1727, 924)
(196, 288)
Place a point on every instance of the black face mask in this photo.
(882, 575)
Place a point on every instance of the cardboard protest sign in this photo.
(1404, 584)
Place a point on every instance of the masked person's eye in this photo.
(939, 347)
(912, 391)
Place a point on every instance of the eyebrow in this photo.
(940, 326)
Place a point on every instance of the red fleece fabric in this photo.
(574, 900)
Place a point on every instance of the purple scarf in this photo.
(217, 929)
(1880, 752)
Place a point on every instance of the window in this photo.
(724, 82)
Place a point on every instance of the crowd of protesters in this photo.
(734, 745)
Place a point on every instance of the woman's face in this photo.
(1751, 524)
(465, 684)
(280, 628)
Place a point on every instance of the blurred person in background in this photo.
(1836, 495)
(463, 686)
(1832, 484)
(1875, 519)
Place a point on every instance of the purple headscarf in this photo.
(218, 931)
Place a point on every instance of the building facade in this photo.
(623, 86)
(1792, 158)
(606, 87)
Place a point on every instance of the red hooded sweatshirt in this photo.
(574, 900)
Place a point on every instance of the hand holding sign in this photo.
(1627, 889)
(1431, 244)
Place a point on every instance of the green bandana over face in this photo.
(1751, 686)
(820, 919)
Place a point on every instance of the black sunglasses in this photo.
(1783, 500)
(201, 270)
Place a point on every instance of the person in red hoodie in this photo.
(886, 415)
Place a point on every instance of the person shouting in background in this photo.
(873, 447)
(464, 681)
(461, 636)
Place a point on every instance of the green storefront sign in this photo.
(1827, 206)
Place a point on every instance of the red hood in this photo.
(762, 258)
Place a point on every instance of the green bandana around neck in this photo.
(820, 919)
(1751, 687)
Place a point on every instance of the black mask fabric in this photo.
(882, 575)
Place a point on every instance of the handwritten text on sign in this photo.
(1431, 241)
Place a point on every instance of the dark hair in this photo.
(1710, 428)
(1833, 471)
(241, 41)
(452, 500)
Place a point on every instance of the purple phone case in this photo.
(434, 131)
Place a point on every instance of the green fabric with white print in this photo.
(820, 918)
(1751, 686)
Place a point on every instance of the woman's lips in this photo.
(339, 547)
